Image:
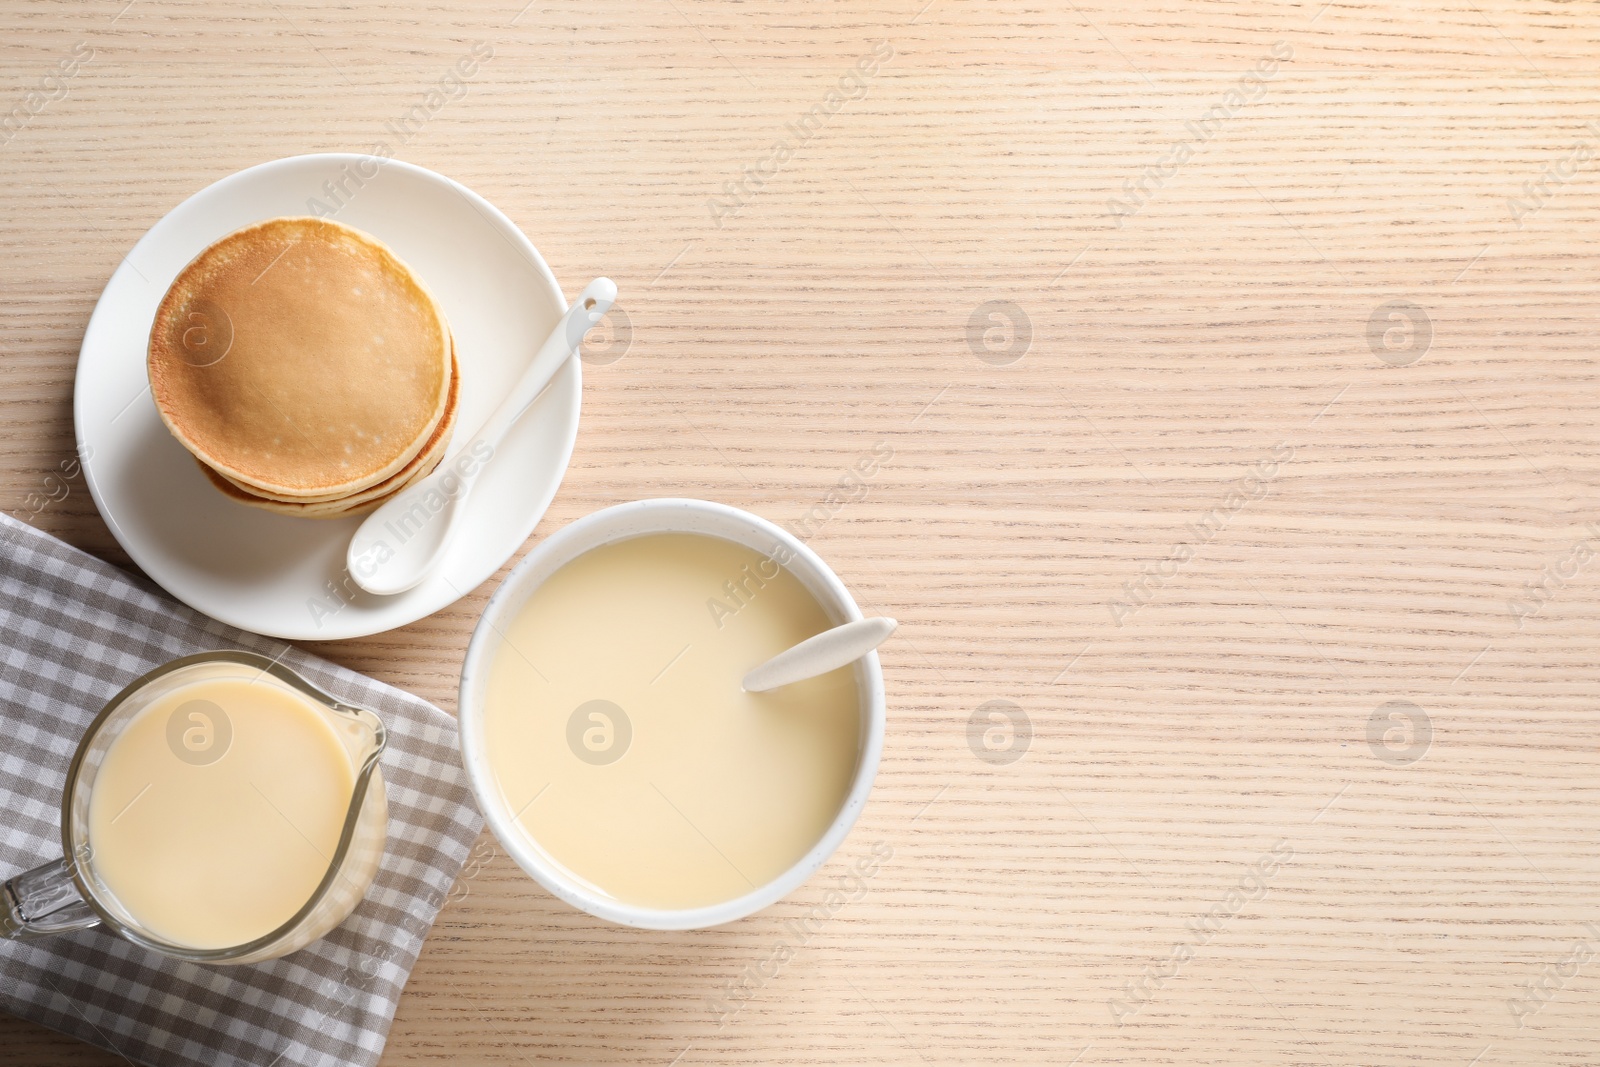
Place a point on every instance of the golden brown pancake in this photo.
(366, 500)
(436, 441)
(337, 509)
(301, 357)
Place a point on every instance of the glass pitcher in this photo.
(67, 894)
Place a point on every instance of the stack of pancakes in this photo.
(306, 368)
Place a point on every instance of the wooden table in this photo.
(1237, 367)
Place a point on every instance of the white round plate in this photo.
(286, 576)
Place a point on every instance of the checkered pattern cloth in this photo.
(73, 632)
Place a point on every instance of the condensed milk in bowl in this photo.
(611, 745)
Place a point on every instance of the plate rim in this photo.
(354, 625)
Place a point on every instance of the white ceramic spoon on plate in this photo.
(400, 543)
(827, 651)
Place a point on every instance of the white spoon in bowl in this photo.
(399, 544)
(827, 651)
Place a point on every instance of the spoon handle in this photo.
(827, 651)
(595, 300)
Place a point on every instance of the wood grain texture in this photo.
(1202, 857)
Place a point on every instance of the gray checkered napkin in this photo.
(74, 631)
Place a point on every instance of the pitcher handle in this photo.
(44, 901)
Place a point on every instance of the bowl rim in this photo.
(598, 528)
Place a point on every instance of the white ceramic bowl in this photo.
(606, 527)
